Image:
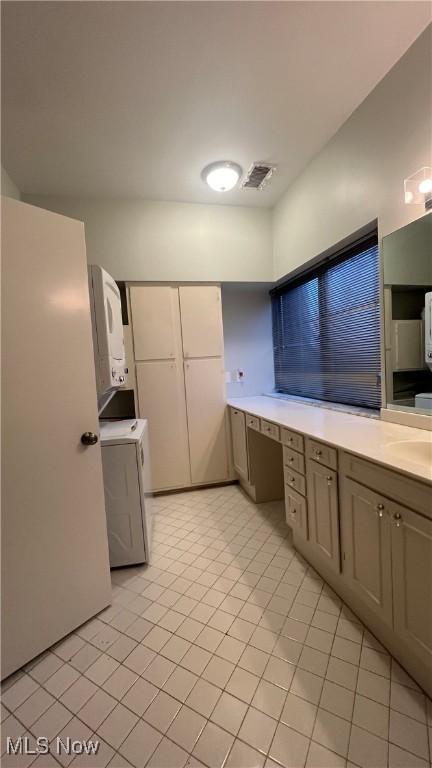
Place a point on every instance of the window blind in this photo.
(326, 330)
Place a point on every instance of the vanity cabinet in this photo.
(296, 512)
(366, 546)
(323, 512)
(239, 444)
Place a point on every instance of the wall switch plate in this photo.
(228, 377)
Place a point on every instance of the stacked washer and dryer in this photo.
(125, 452)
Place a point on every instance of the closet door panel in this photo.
(201, 320)
(205, 399)
(161, 400)
(156, 322)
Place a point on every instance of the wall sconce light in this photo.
(418, 188)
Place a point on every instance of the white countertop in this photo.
(371, 438)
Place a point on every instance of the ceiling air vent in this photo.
(258, 175)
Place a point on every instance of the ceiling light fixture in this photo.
(418, 187)
(222, 175)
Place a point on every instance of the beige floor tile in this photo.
(74, 730)
(229, 713)
(257, 730)
(162, 711)
(196, 659)
(52, 721)
(367, 750)
(169, 755)
(213, 746)
(373, 686)
(140, 744)
(158, 671)
(116, 685)
(63, 679)
(210, 638)
(409, 734)
(139, 696)
(139, 659)
(221, 621)
(203, 697)
(269, 698)
(289, 748)
(325, 621)
(307, 685)
(313, 661)
(78, 694)
(319, 639)
(332, 732)
(346, 650)
(243, 756)
(338, 700)
(342, 673)
(408, 702)
(190, 629)
(121, 648)
(299, 714)
(371, 716)
(218, 671)
(399, 758)
(279, 672)
(180, 683)
(296, 630)
(374, 661)
(117, 726)
(186, 728)
(45, 668)
(321, 757)
(34, 707)
(242, 684)
(94, 712)
(254, 660)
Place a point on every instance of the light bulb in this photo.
(425, 186)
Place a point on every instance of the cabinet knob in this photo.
(329, 479)
(291, 460)
(294, 512)
(292, 480)
(318, 452)
(380, 510)
(398, 519)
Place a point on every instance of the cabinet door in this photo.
(155, 321)
(238, 431)
(366, 546)
(161, 400)
(323, 512)
(296, 512)
(411, 536)
(201, 320)
(205, 399)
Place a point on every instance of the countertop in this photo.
(373, 439)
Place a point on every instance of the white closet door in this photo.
(205, 399)
(156, 322)
(201, 320)
(161, 400)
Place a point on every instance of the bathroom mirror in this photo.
(407, 275)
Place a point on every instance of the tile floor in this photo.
(227, 651)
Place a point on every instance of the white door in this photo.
(123, 504)
(156, 322)
(161, 400)
(205, 400)
(55, 568)
(201, 320)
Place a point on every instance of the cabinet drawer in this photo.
(269, 429)
(293, 460)
(294, 480)
(252, 422)
(292, 439)
(399, 487)
(296, 511)
(322, 453)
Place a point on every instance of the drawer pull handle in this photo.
(398, 519)
(294, 512)
(290, 439)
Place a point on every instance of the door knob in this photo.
(89, 438)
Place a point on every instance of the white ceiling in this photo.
(134, 98)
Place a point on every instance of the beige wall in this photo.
(145, 240)
(359, 175)
(8, 187)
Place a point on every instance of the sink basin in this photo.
(412, 450)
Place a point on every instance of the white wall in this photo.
(145, 240)
(8, 187)
(246, 312)
(359, 175)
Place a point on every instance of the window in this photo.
(326, 330)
